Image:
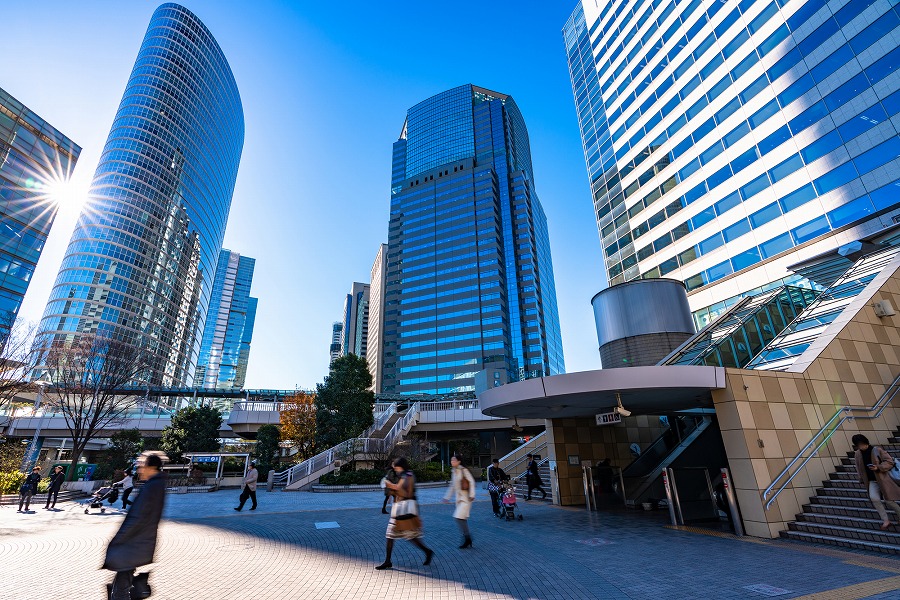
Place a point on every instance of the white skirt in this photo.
(463, 508)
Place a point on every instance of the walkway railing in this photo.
(382, 416)
(821, 438)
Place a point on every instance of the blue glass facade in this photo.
(225, 347)
(469, 284)
(34, 157)
(726, 141)
(141, 262)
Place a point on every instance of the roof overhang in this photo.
(643, 390)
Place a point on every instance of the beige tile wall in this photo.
(767, 417)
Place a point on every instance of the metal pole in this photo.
(670, 497)
(675, 494)
(590, 502)
(732, 503)
(31, 456)
(622, 486)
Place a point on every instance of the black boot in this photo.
(467, 542)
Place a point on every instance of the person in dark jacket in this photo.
(533, 478)
(29, 488)
(56, 481)
(135, 542)
(391, 477)
(495, 476)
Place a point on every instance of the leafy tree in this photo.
(344, 402)
(267, 449)
(298, 424)
(90, 385)
(124, 446)
(193, 429)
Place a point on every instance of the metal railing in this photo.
(516, 464)
(259, 406)
(381, 418)
(822, 437)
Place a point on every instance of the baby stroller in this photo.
(508, 505)
(109, 493)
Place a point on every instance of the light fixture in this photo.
(516, 427)
(621, 409)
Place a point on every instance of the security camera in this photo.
(623, 412)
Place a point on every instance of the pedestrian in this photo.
(56, 481)
(249, 491)
(29, 488)
(405, 522)
(127, 484)
(392, 477)
(533, 478)
(495, 476)
(462, 484)
(872, 467)
(135, 542)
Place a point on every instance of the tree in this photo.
(124, 447)
(192, 429)
(298, 423)
(90, 385)
(344, 403)
(267, 448)
(16, 338)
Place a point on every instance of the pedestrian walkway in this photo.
(324, 546)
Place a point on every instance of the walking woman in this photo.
(533, 478)
(56, 481)
(404, 522)
(872, 467)
(127, 484)
(463, 485)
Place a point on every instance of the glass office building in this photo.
(141, 262)
(355, 331)
(225, 347)
(34, 159)
(726, 141)
(469, 288)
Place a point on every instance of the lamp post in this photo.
(32, 453)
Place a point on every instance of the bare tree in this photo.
(16, 337)
(92, 385)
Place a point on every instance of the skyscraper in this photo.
(34, 159)
(225, 348)
(354, 334)
(374, 350)
(337, 333)
(141, 262)
(469, 286)
(727, 141)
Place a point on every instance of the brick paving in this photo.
(209, 551)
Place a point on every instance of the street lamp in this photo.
(33, 451)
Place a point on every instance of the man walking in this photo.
(56, 481)
(250, 480)
(495, 476)
(29, 488)
(135, 542)
(533, 478)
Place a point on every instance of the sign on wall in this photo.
(610, 418)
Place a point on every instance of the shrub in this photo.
(424, 472)
(11, 481)
(43, 485)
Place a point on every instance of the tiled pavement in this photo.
(207, 551)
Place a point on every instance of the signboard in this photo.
(83, 471)
(610, 418)
(205, 459)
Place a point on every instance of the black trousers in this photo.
(495, 502)
(125, 495)
(52, 495)
(121, 585)
(248, 493)
(539, 487)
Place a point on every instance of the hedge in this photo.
(424, 473)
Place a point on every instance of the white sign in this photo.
(610, 418)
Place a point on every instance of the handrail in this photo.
(524, 473)
(841, 416)
(380, 420)
(518, 461)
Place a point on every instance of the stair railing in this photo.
(822, 437)
(522, 459)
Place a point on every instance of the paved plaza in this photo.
(324, 546)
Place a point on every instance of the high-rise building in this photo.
(225, 348)
(469, 285)
(374, 352)
(35, 158)
(354, 335)
(141, 262)
(337, 333)
(726, 141)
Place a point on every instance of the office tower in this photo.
(35, 159)
(374, 350)
(726, 141)
(141, 262)
(225, 347)
(469, 286)
(354, 335)
(337, 333)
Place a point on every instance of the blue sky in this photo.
(325, 87)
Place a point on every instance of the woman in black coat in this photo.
(56, 481)
(135, 542)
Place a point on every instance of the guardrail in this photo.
(822, 437)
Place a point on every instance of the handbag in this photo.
(406, 510)
(412, 523)
(464, 483)
(894, 473)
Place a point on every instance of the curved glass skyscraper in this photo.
(141, 262)
(469, 293)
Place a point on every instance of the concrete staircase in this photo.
(39, 500)
(841, 514)
(522, 487)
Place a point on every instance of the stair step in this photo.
(839, 492)
(839, 541)
(844, 521)
(888, 538)
(842, 501)
(846, 511)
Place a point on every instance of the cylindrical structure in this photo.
(141, 262)
(641, 321)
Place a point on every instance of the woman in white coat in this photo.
(463, 485)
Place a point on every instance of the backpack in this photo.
(895, 471)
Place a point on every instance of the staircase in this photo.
(40, 500)
(522, 487)
(841, 514)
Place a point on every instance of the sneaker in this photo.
(237, 509)
(384, 566)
